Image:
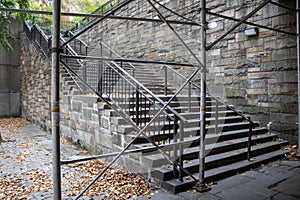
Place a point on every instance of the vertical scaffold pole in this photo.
(201, 186)
(55, 112)
(298, 57)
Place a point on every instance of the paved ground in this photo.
(25, 164)
(279, 181)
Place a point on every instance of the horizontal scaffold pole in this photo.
(129, 60)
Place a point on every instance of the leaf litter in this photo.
(116, 183)
(12, 124)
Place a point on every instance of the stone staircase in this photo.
(226, 132)
(226, 146)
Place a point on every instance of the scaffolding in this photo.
(201, 186)
(201, 64)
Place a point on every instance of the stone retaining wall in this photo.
(84, 120)
(35, 84)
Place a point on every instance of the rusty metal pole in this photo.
(202, 186)
(298, 57)
(55, 112)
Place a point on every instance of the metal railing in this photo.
(111, 81)
(79, 46)
(137, 105)
(106, 51)
(218, 104)
(101, 10)
(36, 34)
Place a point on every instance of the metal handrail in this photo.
(100, 10)
(27, 30)
(36, 34)
(41, 31)
(81, 43)
(170, 68)
(125, 77)
(215, 98)
(102, 44)
(177, 123)
(70, 32)
(244, 117)
(111, 50)
(149, 92)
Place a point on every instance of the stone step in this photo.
(180, 110)
(188, 131)
(189, 123)
(131, 103)
(175, 185)
(211, 113)
(164, 98)
(165, 173)
(213, 147)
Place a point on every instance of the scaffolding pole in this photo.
(202, 186)
(55, 112)
(298, 57)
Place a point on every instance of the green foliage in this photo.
(5, 36)
(79, 6)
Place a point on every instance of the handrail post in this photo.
(189, 97)
(84, 73)
(137, 104)
(249, 140)
(100, 82)
(217, 117)
(175, 139)
(80, 48)
(133, 72)
(181, 149)
(166, 78)
(33, 33)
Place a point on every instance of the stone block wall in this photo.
(256, 74)
(35, 73)
(84, 120)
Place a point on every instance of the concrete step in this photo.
(239, 131)
(175, 185)
(190, 122)
(146, 110)
(165, 173)
(213, 147)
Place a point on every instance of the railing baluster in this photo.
(80, 48)
(217, 117)
(181, 149)
(175, 140)
(166, 78)
(249, 140)
(84, 74)
(189, 96)
(137, 106)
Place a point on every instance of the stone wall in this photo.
(256, 74)
(10, 74)
(84, 120)
(35, 84)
